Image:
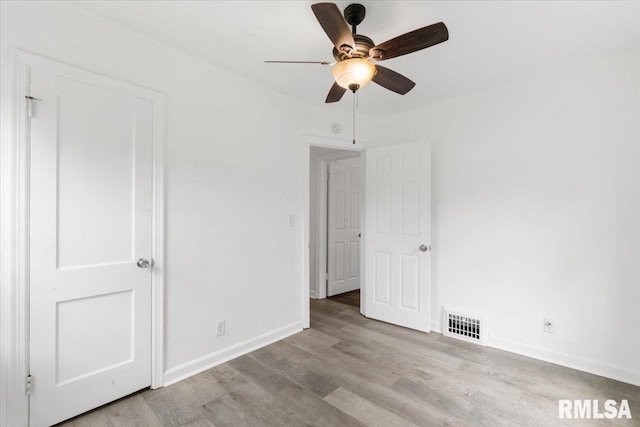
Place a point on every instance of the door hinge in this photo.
(29, 384)
(30, 100)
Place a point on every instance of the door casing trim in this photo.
(322, 189)
(341, 144)
(14, 228)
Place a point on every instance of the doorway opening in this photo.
(396, 241)
(335, 218)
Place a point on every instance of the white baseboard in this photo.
(562, 359)
(567, 360)
(203, 363)
(436, 327)
(312, 293)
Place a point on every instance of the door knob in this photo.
(424, 248)
(144, 263)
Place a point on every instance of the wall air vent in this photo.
(463, 326)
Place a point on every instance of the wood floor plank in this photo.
(280, 350)
(258, 374)
(323, 378)
(428, 355)
(389, 354)
(438, 398)
(308, 374)
(348, 370)
(317, 337)
(379, 394)
(318, 412)
(341, 361)
(173, 408)
(202, 388)
(625, 389)
(132, 412)
(249, 404)
(226, 411)
(364, 410)
(540, 411)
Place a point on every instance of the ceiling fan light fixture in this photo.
(354, 73)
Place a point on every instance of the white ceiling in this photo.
(490, 42)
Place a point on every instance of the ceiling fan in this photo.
(353, 52)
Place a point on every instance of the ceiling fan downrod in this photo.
(354, 14)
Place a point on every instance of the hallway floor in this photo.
(351, 298)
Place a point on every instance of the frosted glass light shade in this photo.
(353, 73)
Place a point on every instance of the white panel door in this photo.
(90, 220)
(398, 222)
(343, 258)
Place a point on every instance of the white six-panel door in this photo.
(90, 220)
(398, 222)
(345, 189)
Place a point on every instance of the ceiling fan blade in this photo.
(335, 94)
(300, 62)
(393, 81)
(411, 42)
(333, 23)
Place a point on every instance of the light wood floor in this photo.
(350, 371)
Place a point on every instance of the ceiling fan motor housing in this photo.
(363, 45)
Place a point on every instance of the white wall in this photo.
(235, 160)
(536, 211)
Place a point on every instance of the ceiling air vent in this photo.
(463, 326)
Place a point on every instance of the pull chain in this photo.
(354, 117)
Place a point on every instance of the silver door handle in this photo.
(144, 263)
(424, 248)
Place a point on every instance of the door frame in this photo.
(322, 193)
(325, 142)
(14, 228)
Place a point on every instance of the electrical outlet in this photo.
(549, 326)
(220, 327)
